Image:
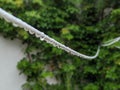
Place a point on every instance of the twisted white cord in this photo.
(19, 23)
(110, 42)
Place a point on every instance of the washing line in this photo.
(110, 42)
(43, 37)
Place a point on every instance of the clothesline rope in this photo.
(43, 37)
(110, 42)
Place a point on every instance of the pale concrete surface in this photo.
(10, 53)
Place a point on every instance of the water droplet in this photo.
(7, 20)
(57, 46)
(54, 45)
(42, 38)
(117, 47)
(37, 35)
(31, 32)
(15, 25)
(48, 41)
(62, 48)
(26, 29)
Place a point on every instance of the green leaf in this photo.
(23, 34)
(110, 73)
(111, 86)
(91, 86)
(90, 69)
(68, 67)
(23, 64)
(45, 74)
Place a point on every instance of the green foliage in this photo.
(79, 24)
(91, 87)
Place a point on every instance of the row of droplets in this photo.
(46, 38)
(26, 29)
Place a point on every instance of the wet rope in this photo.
(43, 37)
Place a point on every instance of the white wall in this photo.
(10, 53)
